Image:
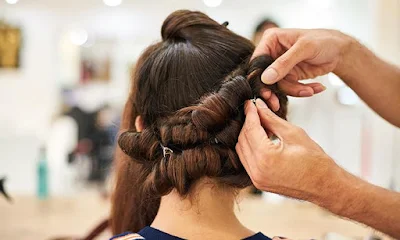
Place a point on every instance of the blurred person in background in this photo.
(93, 136)
(178, 172)
(298, 167)
(102, 149)
(261, 27)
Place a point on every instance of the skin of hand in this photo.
(303, 54)
(300, 54)
(294, 167)
(298, 167)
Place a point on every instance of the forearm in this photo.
(348, 196)
(374, 80)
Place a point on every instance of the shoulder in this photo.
(127, 236)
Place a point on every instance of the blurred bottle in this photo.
(42, 175)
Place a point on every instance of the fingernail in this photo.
(319, 89)
(304, 93)
(260, 103)
(269, 76)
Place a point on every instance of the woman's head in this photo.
(189, 91)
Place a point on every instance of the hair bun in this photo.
(141, 146)
(179, 25)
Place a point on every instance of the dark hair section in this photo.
(261, 25)
(189, 89)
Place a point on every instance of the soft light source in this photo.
(12, 1)
(78, 36)
(112, 3)
(212, 3)
(346, 96)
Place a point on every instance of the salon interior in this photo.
(65, 69)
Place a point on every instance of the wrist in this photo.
(341, 193)
(348, 52)
(331, 190)
(326, 178)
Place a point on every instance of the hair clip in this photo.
(166, 150)
(225, 24)
(216, 140)
(254, 100)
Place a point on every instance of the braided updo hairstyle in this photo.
(189, 90)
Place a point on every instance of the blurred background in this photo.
(64, 76)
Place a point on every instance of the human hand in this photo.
(296, 167)
(300, 54)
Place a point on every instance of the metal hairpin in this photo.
(254, 99)
(166, 150)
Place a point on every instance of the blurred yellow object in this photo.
(10, 44)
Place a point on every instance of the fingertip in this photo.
(306, 92)
(248, 107)
(263, 107)
(265, 93)
(269, 76)
(319, 88)
(260, 103)
(273, 102)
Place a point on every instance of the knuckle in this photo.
(257, 179)
(240, 138)
(269, 32)
(294, 131)
(282, 62)
(237, 147)
(306, 43)
(300, 131)
(248, 129)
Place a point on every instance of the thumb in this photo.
(283, 64)
(270, 121)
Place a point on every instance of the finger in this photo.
(271, 121)
(243, 151)
(247, 159)
(240, 153)
(317, 87)
(295, 89)
(265, 93)
(252, 130)
(268, 41)
(273, 102)
(282, 66)
(270, 97)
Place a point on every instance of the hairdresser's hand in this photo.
(295, 167)
(300, 54)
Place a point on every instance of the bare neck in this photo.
(207, 214)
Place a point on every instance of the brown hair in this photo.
(189, 90)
